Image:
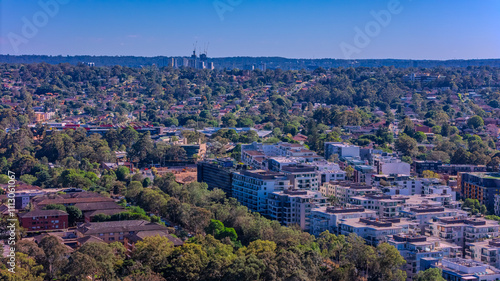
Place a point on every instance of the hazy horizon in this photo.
(288, 58)
(390, 29)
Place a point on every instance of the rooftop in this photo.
(261, 174)
(468, 267)
(342, 210)
(298, 169)
(92, 206)
(427, 209)
(486, 175)
(43, 213)
(406, 237)
(295, 192)
(378, 223)
(118, 226)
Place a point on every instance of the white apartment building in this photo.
(345, 190)
(328, 171)
(423, 214)
(463, 230)
(328, 218)
(252, 188)
(253, 158)
(440, 190)
(398, 184)
(296, 150)
(303, 177)
(287, 149)
(487, 252)
(23, 196)
(294, 206)
(445, 200)
(389, 165)
(465, 269)
(406, 185)
(376, 230)
(414, 247)
(364, 174)
(267, 149)
(257, 154)
(341, 149)
(385, 205)
(278, 162)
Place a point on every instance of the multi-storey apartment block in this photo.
(252, 188)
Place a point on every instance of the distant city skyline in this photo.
(405, 29)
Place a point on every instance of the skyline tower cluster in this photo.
(195, 61)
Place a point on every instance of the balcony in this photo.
(488, 259)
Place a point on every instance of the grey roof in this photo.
(92, 206)
(43, 213)
(109, 212)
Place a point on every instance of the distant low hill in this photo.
(249, 62)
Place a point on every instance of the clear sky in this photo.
(417, 29)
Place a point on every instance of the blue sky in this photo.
(417, 29)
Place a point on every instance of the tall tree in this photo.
(153, 252)
(431, 274)
(407, 145)
(54, 255)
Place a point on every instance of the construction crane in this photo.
(203, 56)
(194, 49)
